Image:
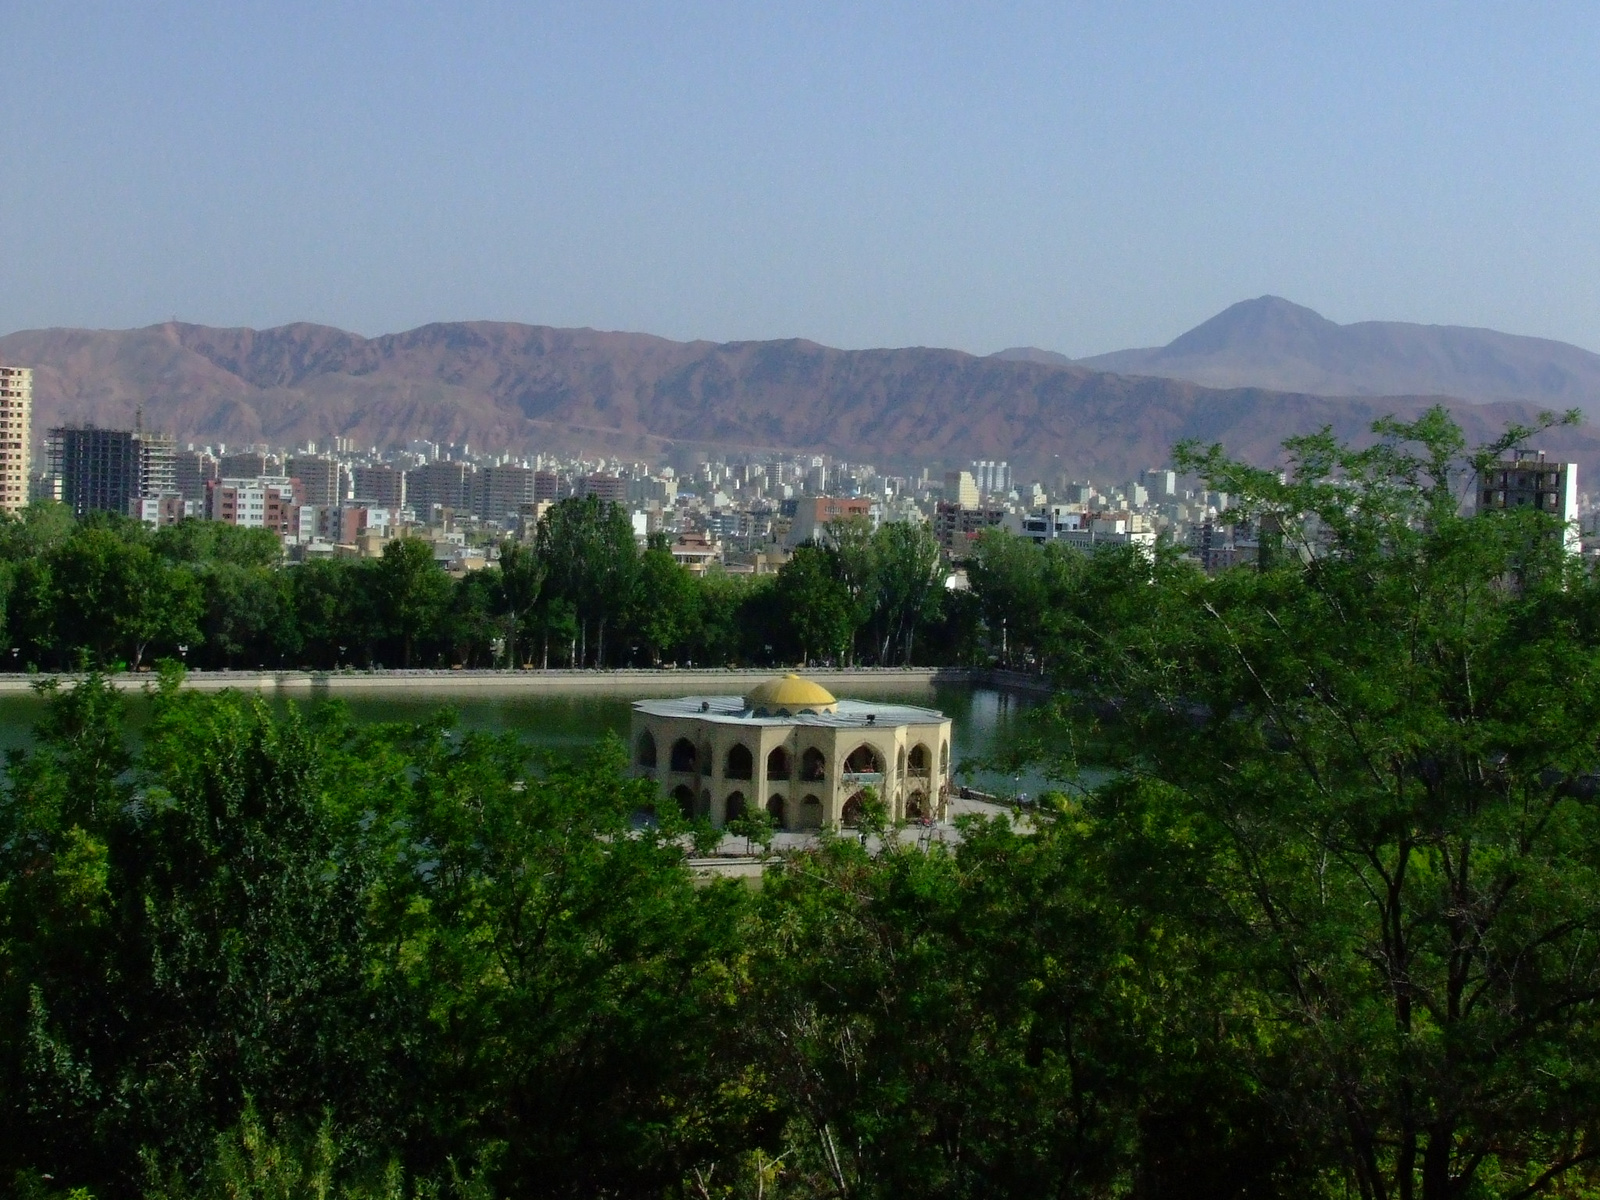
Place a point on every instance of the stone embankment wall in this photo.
(729, 682)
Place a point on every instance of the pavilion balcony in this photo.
(862, 778)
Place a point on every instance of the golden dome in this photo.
(790, 694)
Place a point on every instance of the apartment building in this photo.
(318, 476)
(1549, 487)
(16, 436)
(500, 492)
(383, 485)
(105, 470)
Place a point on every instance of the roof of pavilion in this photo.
(850, 714)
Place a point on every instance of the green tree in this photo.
(412, 593)
(811, 605)
(664, 604)
(1361, 781)
(910, 585)
(588, 548)
(522, 575)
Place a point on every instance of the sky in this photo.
(1081, 177)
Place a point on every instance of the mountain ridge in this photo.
(1274, 343)
(531, 387)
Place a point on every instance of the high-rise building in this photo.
(960, 489)
(546, 486)
(1549, 487)
(382, 485)
(104, 470)
(16, 435)
(443, 484)
(500, 492)
(191, 470)
(318, 476)
(611, 488)
(243, 464)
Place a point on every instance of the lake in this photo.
(983, 719)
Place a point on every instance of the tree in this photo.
(664, 603)
(1360, 782)
(588, 548)
(522, 575)
(413, 592)
(855, 564)
(910, 584)
(811, 605)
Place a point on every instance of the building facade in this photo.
(106, 470)
(795, 751)
(318, 476)
(1549, 487)
(16, 436)
(500, 492)
(381, 485)
(439, 484)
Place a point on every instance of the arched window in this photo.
(733, 809)
(775, 811)
(684, 798)
(740, 764)
(778, 764)
(646, 756)
(921, 758)
(851, 816)
(916, 806)
(811, 813)
(864, 760)
(813, 766)
(684, 756)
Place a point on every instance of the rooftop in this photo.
(848, 714)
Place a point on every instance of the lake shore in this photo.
(622, 682)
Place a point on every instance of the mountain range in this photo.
(529, 388)
(1272, 343)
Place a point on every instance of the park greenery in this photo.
(1323, 920)
(109, 593)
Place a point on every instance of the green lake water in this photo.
(983, 720)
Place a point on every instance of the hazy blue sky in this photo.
(1082, 177)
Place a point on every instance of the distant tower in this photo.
(16, 436)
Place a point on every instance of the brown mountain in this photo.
(527, 387)
(1269, 342)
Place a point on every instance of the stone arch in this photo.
(683, 797)
(645, 754)
(775, 811)
(921, 759)
(813, 766)
(685, 758)
(778, 763)
(733, 807)
(916, 806)
(864, 760)
(810, 812)
(739, 764)
(850, 815)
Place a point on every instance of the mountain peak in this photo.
(1270, 342)
(1262, 322)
